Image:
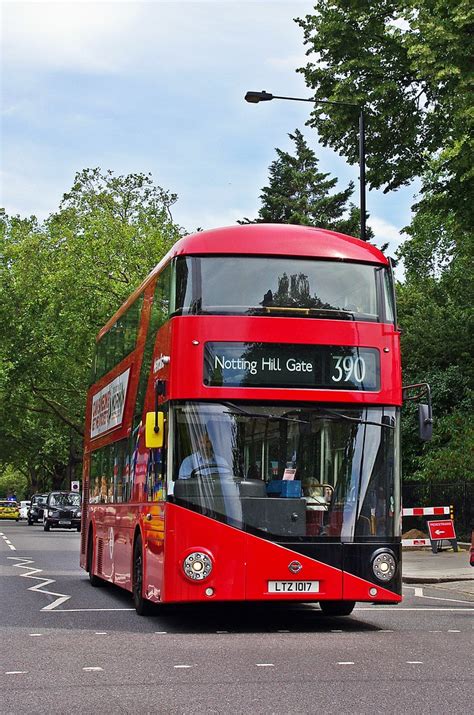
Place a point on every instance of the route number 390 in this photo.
(348, 368)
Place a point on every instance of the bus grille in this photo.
(100, 555)
(85, 505)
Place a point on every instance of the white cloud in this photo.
(60, 36)
(385, 232)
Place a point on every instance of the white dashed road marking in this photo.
(183, 666)
(92, 668)
(346, 662)
(16, 672)
(265, 665)
(7, 541)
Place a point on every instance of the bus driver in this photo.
(203, 461)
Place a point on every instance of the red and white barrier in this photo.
(426, 510)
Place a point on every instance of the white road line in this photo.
(419, 609)
(336, 630)
(92, 668)
(415, 662)
(346, 662)
(265, 665)
(182, 666)
(16, 672)
(419, 593)
(86, 610)
(283, 631)
(453, 631)
(35, 635)
(161, 633)
(24, 564)
(100, 633)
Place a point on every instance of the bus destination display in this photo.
(304, 366)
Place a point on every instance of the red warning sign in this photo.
(441, 529)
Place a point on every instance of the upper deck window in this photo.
(118, 341)
(258, 285)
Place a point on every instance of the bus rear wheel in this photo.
(142, 605)
(337, 608)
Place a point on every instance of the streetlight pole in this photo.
(256, 97)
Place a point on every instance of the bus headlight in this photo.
(197, 566)
(384, 565)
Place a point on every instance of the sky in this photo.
(159, 87)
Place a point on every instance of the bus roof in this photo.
(268, 239)
(278, 239)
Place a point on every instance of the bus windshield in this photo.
(291, 472)
(256, 285)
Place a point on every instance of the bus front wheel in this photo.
(142, 605)
(337, 608)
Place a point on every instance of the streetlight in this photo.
(256, 97)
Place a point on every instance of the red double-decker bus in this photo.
(242, 430)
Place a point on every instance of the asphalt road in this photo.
(65, 646)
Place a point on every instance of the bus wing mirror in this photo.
(425, 422)
(154, 430)
(425, 411)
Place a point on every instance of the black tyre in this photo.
(30, 522)
(142, 606)
(78, 528)
(93, 579)
(337, 608)
(46, 526)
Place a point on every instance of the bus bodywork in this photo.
(280, 342)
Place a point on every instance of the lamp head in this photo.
(256, 97)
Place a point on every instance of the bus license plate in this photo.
(293, 586)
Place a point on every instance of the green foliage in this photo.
(408, 63)
(298, 193)
(60, 282)
(450, 456)
(14, 483)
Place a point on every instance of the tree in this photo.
(61, 281)
(298, 193)
(408, 63)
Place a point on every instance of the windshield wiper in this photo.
(327, 413)
(339, 415)
(265, 415)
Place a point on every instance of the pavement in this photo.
(423, 566)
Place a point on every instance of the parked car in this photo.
(9, 509)
(35, 512)
(24, 506)
(62, 510)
